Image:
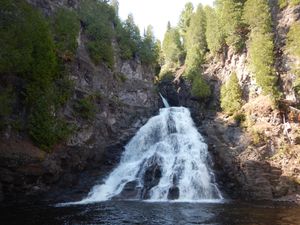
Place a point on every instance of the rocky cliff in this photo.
(123, 99)
(258, 158)
(257, 154)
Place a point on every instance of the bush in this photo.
(282, 3)
(261, 47)
(293, 40)
(98, 18)
(85, 108)
(28, 51)
(44, 127)
(66, 28)
(200, 89)
(239, 118)
(293, 48)
(172, 48)
(295, 2)
(231, 95)
(261, 51)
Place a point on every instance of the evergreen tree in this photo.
(171, 46)
(214, 33)
(148, 51)
(231, 95)
(230, 16)
(196, 40)
(261, 45)
(129, 38)
(115, 5)
(184, 20)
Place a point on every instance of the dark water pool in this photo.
(126, 212)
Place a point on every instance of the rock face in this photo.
(124, 100)
(257, 160)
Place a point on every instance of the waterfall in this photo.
(167, 159)
(166, 104)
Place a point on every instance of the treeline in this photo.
(205, 32)
(34, 51)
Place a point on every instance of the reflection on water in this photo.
(145, 213)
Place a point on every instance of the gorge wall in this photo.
(123, 98)
(256, 154)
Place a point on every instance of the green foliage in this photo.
(28, 51)
(293, 48)
(295, 2)
(66, 28)
(231, 95)
(184, 20)
(196, 40)
(261, 47)
(21, 28)
(149, 51)
(171, 47)
(129, 38)
(239, 118)
(200, 88)
(98, 18)
(230, 18)
(44, 128)
(282, 3)
(293, 40)
(261, 51)
(258, 16)
(166, 75)
(85, 108)
(63, 90)
(214, 33)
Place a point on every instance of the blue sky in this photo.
(155, 12)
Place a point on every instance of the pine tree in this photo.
(257, 16)
(231, 95)
(214, 33)
(148, 50)
(184, 20)
(171, 46)
(196, 40)
(230, 16)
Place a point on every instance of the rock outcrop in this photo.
(124, 99)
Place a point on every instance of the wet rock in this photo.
(173, 193)
(152, 176)
(130, 191)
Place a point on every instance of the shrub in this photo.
(282, 3)
(172, 48)
(28, 51)
(239, 118)
(293, 48)
(261, 47)
(196, 40)
(85, 108)
(231, 95)
(293, 40)
(200, 88)
(66, 28)
(295, 2)
(261, 51)
(98, 18)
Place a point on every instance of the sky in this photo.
(155, 12)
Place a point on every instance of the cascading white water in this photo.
(165, 160)
(166, 103)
